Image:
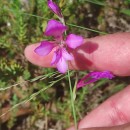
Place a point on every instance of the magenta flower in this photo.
(61, 55)
(93, 77)
(56, 29)
(55, 8)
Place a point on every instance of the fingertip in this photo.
(109, 52)
(29, 52)
(36, 59)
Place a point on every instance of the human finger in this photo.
(119, 127)
(114, 111)
(110, 52)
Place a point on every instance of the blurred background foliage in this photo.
(22, 22)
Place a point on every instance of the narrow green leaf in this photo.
(97, 2)
(125, 11)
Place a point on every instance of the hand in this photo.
(113, 112)
(119, 127)
(109, 52)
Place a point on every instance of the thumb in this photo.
(119, 127)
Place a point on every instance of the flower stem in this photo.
(72, 102)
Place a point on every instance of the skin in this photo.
(119, 127)
(110, 52)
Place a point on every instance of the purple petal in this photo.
(104, 74)
(55, 28)
(66, 55)
(93, 77)
(60, 58)
(74, 41)
(45, 48)
(62, 65)
(56, 57)
(54, 7)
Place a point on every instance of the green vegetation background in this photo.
(22, 22)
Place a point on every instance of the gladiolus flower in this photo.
(61, 55)
(55, 8)
(93, 77)
(56, 29)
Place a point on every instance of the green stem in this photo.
(72, 102)
(89, 29)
